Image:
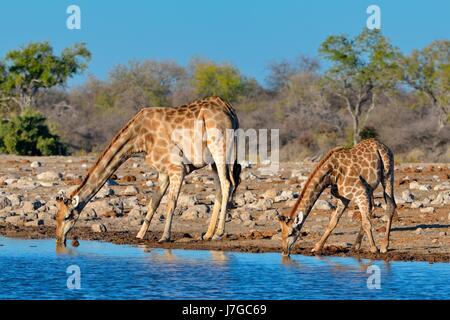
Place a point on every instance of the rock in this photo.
(416, 205)
(270, 194)
(130, 191)
(297, 174)
(427, 210)
(13, 219)
(35, 223)
(99, 228)
(442, 198)
(267, 216)
(263, 204)
(248, 176)
(239, 200)
(245, 164)
(135, 213)
(4, 202)
(249, 224)
(15, 199)
(276, 237)
(150, 183)
(195, 212)
(105, 191)
(117, 206)
(407, 196)
(35, 164)
(249, 197)
(323, 205)
(418, 231)
(186, 200)
(29, 206)
(245, 216)
(48, 176)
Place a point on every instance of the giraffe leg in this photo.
(216, 208)
(359, 237)
(175, 181)
(333, 222)
(153, 204)
(225, 187)
(363, 202)
(390, 211)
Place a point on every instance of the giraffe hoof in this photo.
(374, 250)
(383, 250)
(216, 238)
(140, 236)
(206, 237)
(164, 239)
(316, 251)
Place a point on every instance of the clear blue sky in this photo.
(247, 33)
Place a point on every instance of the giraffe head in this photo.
(66, 217)
(290, 231)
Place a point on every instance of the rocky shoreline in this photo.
(28, 186)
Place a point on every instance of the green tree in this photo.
(210, 79)
(362, 68)
(34, 67)
(427, 71)
(28, 134)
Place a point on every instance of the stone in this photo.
(427, 210)
(135, 213)
(34, 223)
(442, 198)
(99, 228)
(13, 219)
(4, 202)
(29, 206)
(15, 199)
(270, 194)
(130, 191)
(323, 205)
(418, 231)
(186, 200)
(150, 183)
(263, 204)
(407, 196)
(416, 205)
(105, 191)
(195, 212)
(245, 216)
(267, 216)
(36, 164)
(49, 176)
(249, 197)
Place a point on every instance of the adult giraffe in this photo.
(176, 141)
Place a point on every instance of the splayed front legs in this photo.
(153, 204)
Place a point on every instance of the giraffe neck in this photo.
(314, 186)
(119, 150)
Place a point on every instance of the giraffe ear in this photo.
(75, 201)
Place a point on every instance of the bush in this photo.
(368, 133)
(28, 134)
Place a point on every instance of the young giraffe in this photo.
(353, 174)
(176, 141)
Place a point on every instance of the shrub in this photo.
(368, 133)
(28, 134)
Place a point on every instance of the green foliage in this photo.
(427, 71)
(28, 134)
(27, 70)
(210, 79)
(362, 67)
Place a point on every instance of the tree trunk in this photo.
(356, 129)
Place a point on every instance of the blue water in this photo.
(31, 269)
